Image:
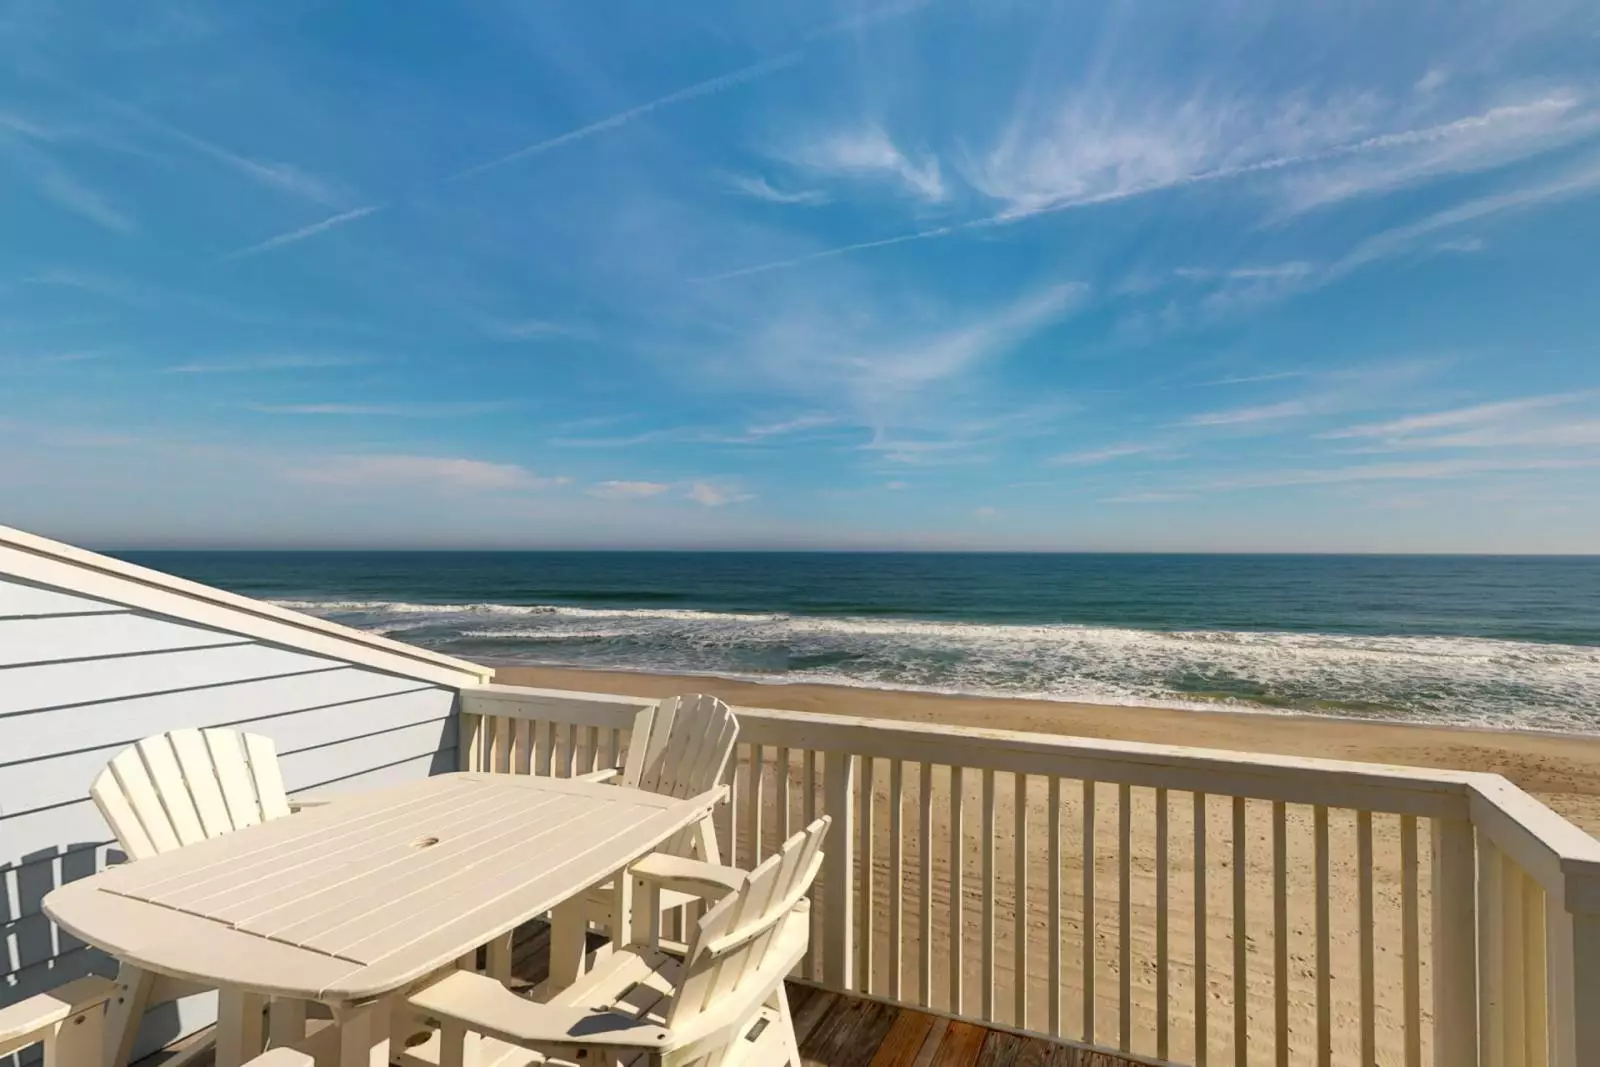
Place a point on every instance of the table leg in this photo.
(125, 1012)
(497, 961)
(568, 943)
(286, 1021)
(364, 1035)
(240, 1031)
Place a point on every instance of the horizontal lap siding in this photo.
(81, 678)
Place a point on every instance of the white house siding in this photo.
(81, 677)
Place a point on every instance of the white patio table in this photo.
(351, 903)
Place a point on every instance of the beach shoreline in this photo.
(1561, 769)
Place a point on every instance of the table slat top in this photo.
(353, 900)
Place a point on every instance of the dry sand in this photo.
(1563, 771)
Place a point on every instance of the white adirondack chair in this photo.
(173, 790)
(684, 753)
(176, 789)
(722, 1004)
(68, 1021)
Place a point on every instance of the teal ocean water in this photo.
(1501, 642)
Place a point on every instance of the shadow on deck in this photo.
(841, 1030)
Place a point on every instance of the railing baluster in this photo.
(1324, 939)
(956, 893)
(1454, 937)
(1491, 955)
(1125, 917)
(986, 845)
(896, 873)
(838, 959)
(780, 798)
(546, 748)
(755, 802)
(925, 886)
(866, 909)
(1364, 923)
(569, 758)
(1053, 829)
(808, 811)
(1163, 1008)
(502, 745)
(523, 747)
(1088, 912)
(469, 741)
(1202, 989)
(1410, 938)
(1280, 933)
(1534, 963)
(1019, 896)
(1511, 883)
(736, 773)
(1241, 988)
(1560, 979)
(591, 744)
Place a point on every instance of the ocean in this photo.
(1497, 642)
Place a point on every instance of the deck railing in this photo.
(1179, 905)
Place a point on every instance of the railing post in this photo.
(1455, 930)
(839, 862)
(469, 745)
(1582, 1026)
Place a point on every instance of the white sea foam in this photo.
(1461, 680)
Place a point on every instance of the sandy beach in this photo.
(1563, 771)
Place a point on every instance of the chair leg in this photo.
(125, 1012)
(786, 1020)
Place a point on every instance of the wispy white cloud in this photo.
(404, 411)
(711, 495)
(1582, 179)
(620, 490)
(1090, 457)
(1462, 245)
(1379, 472)
(1288, 409)
(58, 183)
(332, 222)
(877, 357)
(986, 513)
(761, 189)
(251, 364)
(1150, 497)
(868, 152)
(611, 122)
(1476, 415)
(431, 472)
(1491, 138)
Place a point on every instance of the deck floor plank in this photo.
(904, 1041)
(962, 1045)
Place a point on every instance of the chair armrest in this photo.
(33, 1019)
(708, 881)
(484, 1006)
(604, 775)
(303, 803)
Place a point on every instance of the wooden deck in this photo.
(840, 1030)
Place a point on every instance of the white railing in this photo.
(1181, 905)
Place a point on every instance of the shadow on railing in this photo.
(1184, 905)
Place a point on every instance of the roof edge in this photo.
(151, 579)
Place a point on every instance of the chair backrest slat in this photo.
(270, 794)
(731, 947)
(233, 775)
(190, 785)
(194, 760)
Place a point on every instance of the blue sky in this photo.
(1139, 275)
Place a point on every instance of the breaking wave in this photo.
(1437, 679)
